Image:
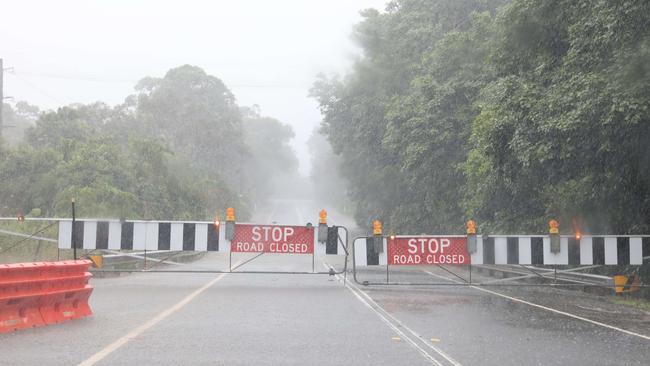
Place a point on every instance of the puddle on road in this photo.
(420, 304)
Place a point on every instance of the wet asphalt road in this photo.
(244, 319)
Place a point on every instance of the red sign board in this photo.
(250, 238)
(414, 250)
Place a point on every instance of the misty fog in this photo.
(422, 113)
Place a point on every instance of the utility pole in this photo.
(2, 97)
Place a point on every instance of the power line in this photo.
(43, 92)
(132, 81)
(77, 78)
(19, 76)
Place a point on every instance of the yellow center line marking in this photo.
(153, 321)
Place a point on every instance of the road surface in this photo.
(279, 319)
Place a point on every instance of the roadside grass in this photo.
(28, 251)
(17, 249)
(636, 303)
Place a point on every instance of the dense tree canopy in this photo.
(563, 126)
(178, 149)
(72, 153)
(196, 115)
(16, 120)
(506, 112)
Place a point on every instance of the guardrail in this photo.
(515, 272)
(115, 261)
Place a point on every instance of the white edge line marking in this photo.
(424, 353)
(370, 302)
(153, 321)
(415, 334)
(547, 308)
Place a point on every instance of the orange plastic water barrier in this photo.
(42, 293)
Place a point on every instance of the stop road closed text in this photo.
(427, 250)
(271, 247)
(273, 239)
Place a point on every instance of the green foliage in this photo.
(197, 116)
(67, 155)
(562, 128)
(508, 113)
(176, 150)
(16, 120)
(400, 119)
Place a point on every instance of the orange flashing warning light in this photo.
(21, 217)
(376, 227)
(216, 222)
(230, 214)
(553, 227)
(471, 227)
(577, 224)
(322, 217)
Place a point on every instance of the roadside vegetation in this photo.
(507, 112)
(637, 303)
(179, 148)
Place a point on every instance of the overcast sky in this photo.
(267, 52)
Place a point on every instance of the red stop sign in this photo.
(251, 238)
(427, 250)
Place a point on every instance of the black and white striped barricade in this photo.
(408, 252)
(336, 246)
(168, 235)
(142, 235)
(201, 236)
(365, 255)
(535, 249)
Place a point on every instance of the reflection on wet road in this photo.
(277, 319)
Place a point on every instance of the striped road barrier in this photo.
(203, 236)
(502, 249)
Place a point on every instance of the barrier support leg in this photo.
(387, 275)
(74, 237)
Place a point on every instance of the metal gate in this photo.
(166, 246)
(518, 260)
